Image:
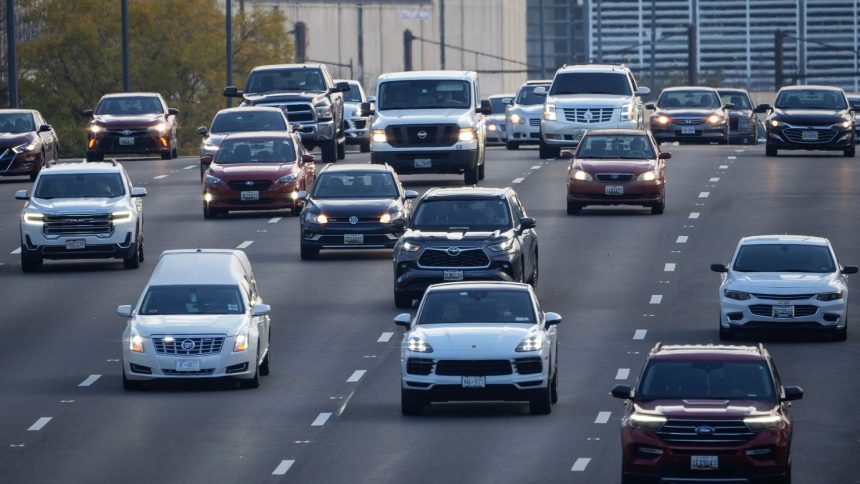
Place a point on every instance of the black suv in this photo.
(460, 234)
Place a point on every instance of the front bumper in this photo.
(141, 143)
(277, 196)
(412, 279)
(12, 164)
(702, 133)
(120, 243)
(447, 160)
(374, 235)
(635, 192)
(757, 314)
(526, 132)
(151, 366)
(791, 138)
(313, 131)
(565, 133)
(357, 130)
(497, 136)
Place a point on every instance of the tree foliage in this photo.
(176, 48)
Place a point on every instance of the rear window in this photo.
(477, 306)
(239, 121)
(784, 258)
(706, 380)
(80, 185)
(186, 299)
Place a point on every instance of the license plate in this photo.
(126, 141)
(76, 244)
(704, 462)
(353, 239)
(783, 311)
(688, 130)
(809, 136)
(423, 162)
(614, 190)
(452, 275)
(474, 381)
(187, 365)
(250, 196)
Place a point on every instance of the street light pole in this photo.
(12, 61)
(654, 46)
(126, 78)
(229, 28)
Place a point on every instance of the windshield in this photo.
(601, 146)
(16, 123)
(810, 99)
(477, 306)
(706, 380)
(466, 214)
(80, 185)
(591, 83)
(353, 95)
(784, 258)
(424, 94)
(527, 96)
(130, 106)
(355, 185)
(739, 99)
(689, 99)
(295, 79)
(498, 104)
(239, 121)
(278, 150)
(205, 299)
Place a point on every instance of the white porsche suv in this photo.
(784, 281)
(479, 341)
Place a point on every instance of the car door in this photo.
(47, 139)
(307, 170)
(527, 238)
(262, 322)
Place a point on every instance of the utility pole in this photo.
(442, 34)
(229, 48)
(126, 78)
(693, 64)
(12, 61)
(407, 49)
(360, 15)
(654, 46)
(542, 41)
(301, 33)
(801, 43)
(778, 41)
(599, 33)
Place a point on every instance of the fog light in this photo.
(650, 450)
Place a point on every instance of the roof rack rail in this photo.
(657, 347)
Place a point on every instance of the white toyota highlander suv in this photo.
(589, 96)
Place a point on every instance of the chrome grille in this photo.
(795, 135)
(473, 367)
(78, 224)
(588, 115)
(683, 431)
(445, 258)
(614, 177)
(179, 345)
(528, 366)
(688, 121)
(800, 311)
(534, 122)
(127, 132)
(253, 185)
(783, 297)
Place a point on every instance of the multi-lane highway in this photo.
(330, 411)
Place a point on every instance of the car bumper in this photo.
(357, 130)
(703, 133)
(335, 236)
(152, 366)
(841, 140)
(12, 164)
(118, 244)
(635, 193)
(523, 133)
(756, 314)
(312, 132)
(149, 143)
(563, 133)
(416, 161)
(497, 136)
(278, 196)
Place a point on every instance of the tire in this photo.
(255, 381)
(554, 386)
(208, 212)
(132, 261)
(402, 300)
(752, 140)
(95, 156)
(533, 280)
(265, 368)
(409, 404)
(203, 169)
(166, 155)
(329, 151)
(849, 153)
(573, 208)
(659, 208)
(174, 153)
(30, 262)
(470, 175)
(308, 253)
(770, 150)
(840, 334)
(341, 150)
(130, 385)
(725, 334)
(546, 152)
(541, 403)
(512, 145)
(364, 147)
(37, 168)
(481, 170)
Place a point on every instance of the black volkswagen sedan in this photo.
(809, 118)
(690, 114)
(353, 206)
(743, 124)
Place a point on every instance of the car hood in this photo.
(473, 337)
(245, 170)
(349, 110)
(496, 118)
(179, 324)
(792, 281)
(359, 207)
(73, 205)
(11, 140)
(460, 239)
(615, 166)
(809, 116)
(130, 122)
(688, 112)
(589, 100)
(282, 97)
(706, 408)
(422, 116)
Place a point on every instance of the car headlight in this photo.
(504, 246)
(291, 178)
(775, 123)
(492, 127)
(378, 136)
(516, 119)
(648, 176)
(581, 175)
(95, 128)
(765, 422)
(549, 112)
(317, 218)
(532, 343)
(716, 119)
(34, 218)
(467, 134)
(24, 147)
(846, 124)
(135, 342)
(161, 127)
(241, 343)
(213, 180)
(736, 295)
(663, 119)
(829, 296)
(389, 216)
(323, 112)
(210, 148)
(627, 112)
(121, 216)
(410, 247)
(416, 344)
(644, 421)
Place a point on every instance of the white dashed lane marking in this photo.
(189, 167)
(159, 177)
(724, 167)
(622, 374)
(245, 244)
(536, 167)
(16, 251)
(704, 194)
(580, 464)
(682, 239)
(640, 334)
(518, 180)
(283, 467)
(39, 424)
(656, 299)
(669, 267)
(89, 380)
(386, 336)
(694, 215)
(714, 179)
(733, 157)
(356, 375)
(275, 220)
(602, 417)
(321, 419)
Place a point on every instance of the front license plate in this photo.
(614, 190)
(474, 381)
(351, 239)
(126, 141)
(809, 136)
(250, 196)
(688, 130)
(783, 311)
(704, 462)
(187, 365)
(423, 162)
(76, 244)
(452, 275)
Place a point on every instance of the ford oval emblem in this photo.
(353, 220)
(453, 251)
(187, 345)
(705, 430)
(422, 134)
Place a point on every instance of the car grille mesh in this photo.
(588, 115)
(188, 345)
(464, 258)
(783, 297)
(422, 135)
(206, 371)
(704, 432)
(297, 113)
(795, 135)
(534, 122)
(253, 185)
(473, 367)
(78, 224)
(800, 311)
(419, 366)
(529, 366)
(614, 177)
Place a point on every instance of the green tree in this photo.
(176, 49)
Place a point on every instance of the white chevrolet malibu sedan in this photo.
(200, 316)
(784, 281)
(475, 341)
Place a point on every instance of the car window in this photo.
(355, 185)
(689, 99)
(706, 380)
(188, 299)
(740, 100)
(16, 123)
(462, 214)
(498, 104)
(80, 185)
(527, 96)
(278, 150)
(240, 121)
(424, 94)
(517, 212)
(130, 106)
(301, 79)
(477, 306)
(810, 99)
(784, 258)
(353, 95)
(615, 83)
(615, 147)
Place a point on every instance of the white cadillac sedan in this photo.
(479, 341)
(788, 281)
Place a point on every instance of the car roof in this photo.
(83, 167)
(249, 108)
(17, 111)
(707, 352)
(812, 87)
(489, 285)
(131, 94)
(466, 192)
(537, 82)
(611, 131)
(275, 67)
(259, 135)
(793, 239)
(460, 75)
(594, 68)
(690, 88)
(345, 167)
(499, 96)
(196, 266)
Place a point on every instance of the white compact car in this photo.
(200, 316)
(788, 281)
(356, 125)
(479, 341)
(523, 117)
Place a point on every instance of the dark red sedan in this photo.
(257, 171)
(132, 123)
(27, 143)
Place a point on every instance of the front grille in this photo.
(78, 224)
(473, 367)
(733, 123)
(359, 123)
(528, 366)
(419, 366)
(207, 371)
(535, 122)
(125, 133)
(179, 345)
(345, 220)
(412, 155)
(614, 177)
(783, 297)
(250, 185)
(442, 258)
(795, 135)
(799, 311)
(6, 159)
(710, 432)
(689, 121)
(422, 135)
(588, 115)
(297, 113)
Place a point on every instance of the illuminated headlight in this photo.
(644, 421)
(291, 178)
(241, 343)
(716, 119)
(378, 136)
(736, 295)
(467, 134)
(647, 176)
(492, 127)
(516, 119)
(549, 112)
(213, 180)
(95, 128)
(846, 124)
(416, 344)
(829, 296)
(766, 422)
(207, 197)
(776, 123)
(34, 218)
(24, 148)
(323, 112)
(410, 247)
(388, 217)
(160, 127)
(121, 216)
(662, 119)
(135, 342)
(581, 175)
(627, 112)
(316, 218)
(505, 246)
(532, 343)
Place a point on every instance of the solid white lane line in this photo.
(704, 194)
(682, 239)
(656, 299)
(16, 251)
(386, 336)
(669, 267)
(602, 417)
(245, 244)
(694, 215)
(275, 220)
(640, 334)
(321, 419)
(622, 374)
(714, 179)
(518, 180)
(159, 177)
(283, 467)
(580, 464)
(189, 167)
(39, 424)
(536, 167)
(89, 380)
(724, 167)
(356, 375)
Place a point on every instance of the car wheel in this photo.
(174, 153)
(329, 151)
(207, 212)
(752, 140)
(30, 262)
(573, 208)
(308, 253)
(341, 150)
(202, 172)
(546, 151)
(265, 368)
(402, 300)
(541, 403)
(659, 208)
(533, 280)
(409, 404)
(133, 260)
(512, 145)
(841, 334)
(470, 175)
(37, 167)
(625, 479)
(364, 147)
(255, 381)
(725, 333)
(554, 391)
(849, 153)
(130, 384)
(770, 150)
(140, 256)
(95, 156)
(481, 170)
(165, 155)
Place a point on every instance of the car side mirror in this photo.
(306, 158)
(206, 160)
(728, 106)
(88, 113)
(540, 91)
(486, 107)
(124, 310)
(622, 391)
(137, 192)
(527, 223)
(302, 195)
(343, 87)
(371, 99)
(567, 154)
(365, 109)
(792, 393)
(403, 319)
(21, 195)
(410, 194)
(665, 155)
(643, 91)
(849, 270)
(296, 126)
(762, 108)
(261, 310)
(44, 128)
(651, 106)
(202, 131)
(551, 319)
(172, 111)
(232, 91)
(719, 268)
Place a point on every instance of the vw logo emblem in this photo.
(187, 345)
(126, 132)
(589, 115)
(705, 430)
(422, 134)
(249, 183)
(353, 220)
(453, 251)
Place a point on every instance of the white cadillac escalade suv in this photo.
(590, 96)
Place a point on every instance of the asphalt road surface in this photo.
(623, 279)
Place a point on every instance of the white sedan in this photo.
(479, 341)
(788, 281)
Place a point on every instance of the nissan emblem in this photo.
(422, 134)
